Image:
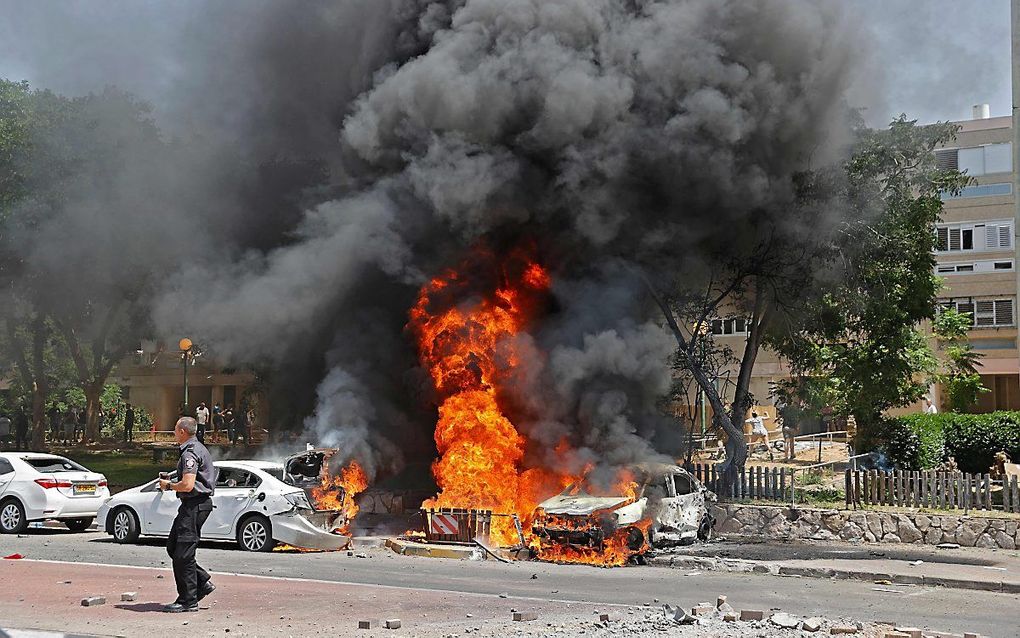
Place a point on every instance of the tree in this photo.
(861, 332)
(959, 375)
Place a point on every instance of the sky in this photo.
(930, 59)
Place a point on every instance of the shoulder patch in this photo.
(189, 463)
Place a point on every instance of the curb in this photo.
(746, 566)
(407, 548)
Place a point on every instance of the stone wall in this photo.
(376, 501)
(786, 523)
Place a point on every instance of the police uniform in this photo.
(196, 505)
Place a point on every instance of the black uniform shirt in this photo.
(195, 459)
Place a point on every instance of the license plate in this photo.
(85, 489)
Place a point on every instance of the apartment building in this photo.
(977, 253)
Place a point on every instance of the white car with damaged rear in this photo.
(256, 503)
(39, 487)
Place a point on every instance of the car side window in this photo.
(233, 477)
(683, 484)
(5, 467)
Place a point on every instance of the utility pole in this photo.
(1015, 66)
(186, 346)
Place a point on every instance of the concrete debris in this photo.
(504, 595)
(524, 616)
(129, 596)
(720, 601)
(368, 624)
(752, 614)
(947, 546)
(92, 601)
(678, 615)
(842, 630)
(730, 616)
(603, 617)
(896, 634)
(393, 623)
(811, 624)
(786, 621)
(703, 609)
(913, 632)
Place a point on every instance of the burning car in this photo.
(256, 503)
(662, 505)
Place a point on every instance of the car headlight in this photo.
(298, 500)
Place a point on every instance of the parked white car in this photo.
(256, 503)
(39, 487)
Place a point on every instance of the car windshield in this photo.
(51, 464)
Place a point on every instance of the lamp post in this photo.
(186, 346)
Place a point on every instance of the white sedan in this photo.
(256, 503)
(38, 487)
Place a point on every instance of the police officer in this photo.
(197, 476)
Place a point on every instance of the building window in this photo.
(731, 326)
(989, 265)
(984, 190)
(984, 236)
(984, 313)
(977, 160)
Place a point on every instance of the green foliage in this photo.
(861, 332)
(923, 441)
(960, 377)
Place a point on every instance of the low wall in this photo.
(786, 523)
(376, 501)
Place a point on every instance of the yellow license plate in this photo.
(85, 489)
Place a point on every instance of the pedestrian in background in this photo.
(21, 430)
(129, 423)
(230, 423)
(929, 407)
(5, 429)
(54, 416)
(202, 417)
(196, 483)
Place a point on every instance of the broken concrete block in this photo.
(702, 610)
(786, 621)
(913, 632)
(720, 601)
(730, 616)
(896, 634)
(392, 623)
(524, 616)
(129, 596)
(842, 629)
(368, 624)
(971, 636)
(752, 614)
(603, 617)
(811, 624)
(92, 601)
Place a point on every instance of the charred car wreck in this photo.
(668, 507)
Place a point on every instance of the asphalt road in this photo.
(938, 609)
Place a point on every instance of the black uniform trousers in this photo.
(181, 546)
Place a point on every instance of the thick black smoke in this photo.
(383, 141)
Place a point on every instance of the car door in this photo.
(159, 508)
(683, 509)
(6, 475)
(234, 495)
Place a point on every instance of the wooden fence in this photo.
(754, 483)
(932, 490)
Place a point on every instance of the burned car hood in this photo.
(581, 504)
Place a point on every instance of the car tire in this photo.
(255, 534)
(635, 539)
(705, 528)
(124, 525)
(78, 524)
(12, 517)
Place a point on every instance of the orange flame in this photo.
(338, 492)
(466, 342)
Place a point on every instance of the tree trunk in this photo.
(40, 384)
(93, 394)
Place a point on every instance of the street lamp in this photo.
(186, 345)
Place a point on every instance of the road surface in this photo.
(445, 590)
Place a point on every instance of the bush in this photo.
(923, 441)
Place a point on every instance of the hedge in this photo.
(923, 441)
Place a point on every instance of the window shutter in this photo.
(955, 239)
(966, 307)
(1004, 312)
(947, 159)
(942, 239)
(985, 313)
(1005, 236)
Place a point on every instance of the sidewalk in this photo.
(964, 568)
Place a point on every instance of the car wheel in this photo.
(124, 527)
(255, 534)
(12, 517)
(705, 528)
(78, 524)
(635, 539)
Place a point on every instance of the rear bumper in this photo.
(52, 505)
(294, 529)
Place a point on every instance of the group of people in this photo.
(235, 424)
(63, 426)
(15, 430)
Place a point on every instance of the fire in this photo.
(616, 549)
(338, 492)
(465, 339)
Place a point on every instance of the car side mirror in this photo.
(262, 496)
